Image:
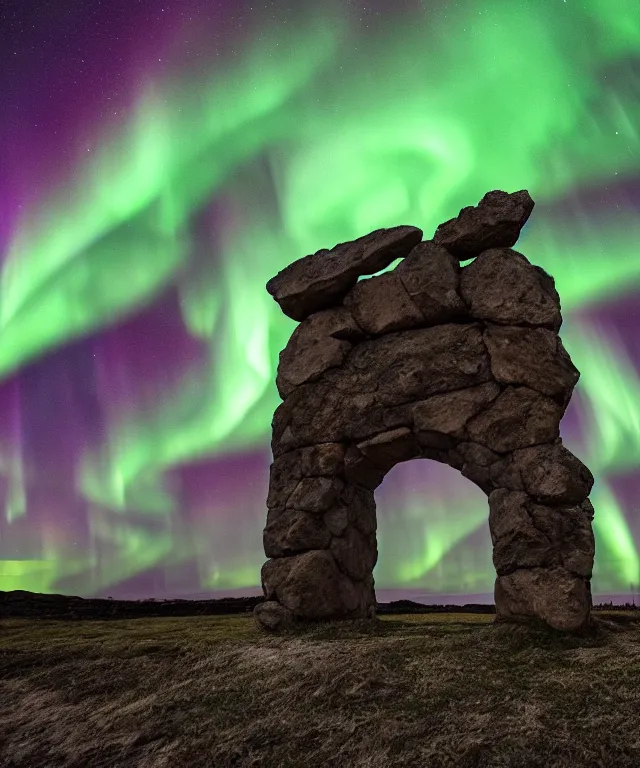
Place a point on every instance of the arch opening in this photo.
(433, 538)
(462, 365)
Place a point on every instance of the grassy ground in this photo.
(427, 690)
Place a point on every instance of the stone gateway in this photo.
(463, 365)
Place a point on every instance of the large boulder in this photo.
(320, 342)
(532, 357)
(431, 277)
(494, 223)
(502, 286)
(322, 279)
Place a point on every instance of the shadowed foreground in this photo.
(428, 690)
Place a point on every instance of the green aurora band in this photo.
(313, 140)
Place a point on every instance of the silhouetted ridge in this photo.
(35, 605)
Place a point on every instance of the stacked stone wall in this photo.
(463, 365)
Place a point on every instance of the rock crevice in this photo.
(462, 365)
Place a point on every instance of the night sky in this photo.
(160, 160)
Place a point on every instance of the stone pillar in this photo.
(321, 540)
(543, 544)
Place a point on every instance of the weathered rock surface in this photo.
(558, 597)
(431, 277)
(532, 357)
(530, 535)
(320, 342)
(382, 304)
(502, 286)
(462, 365)
(494, 223)
(322, 279)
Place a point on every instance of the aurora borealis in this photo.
(160, 160)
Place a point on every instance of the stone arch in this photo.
(463, 365)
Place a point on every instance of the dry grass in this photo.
(427, 690)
